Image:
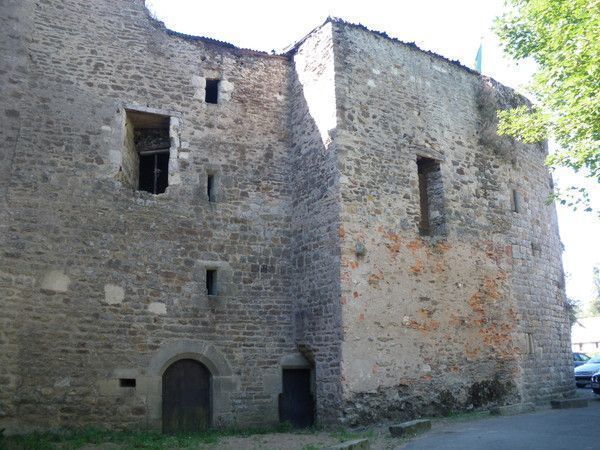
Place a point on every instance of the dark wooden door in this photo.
(186, 397)
(296, 404)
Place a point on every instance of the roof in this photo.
(291, 50)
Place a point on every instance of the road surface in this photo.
(548, 429)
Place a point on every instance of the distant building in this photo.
(585, 335)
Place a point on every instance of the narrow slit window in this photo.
(431, 202)
(529, 338)
(210, 187)
(212, 91)
(514, 201)
(127, 382)
(211, 282)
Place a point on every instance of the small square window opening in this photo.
(212, 91)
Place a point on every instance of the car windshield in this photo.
(594, 359)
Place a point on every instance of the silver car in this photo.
(579, 358)
(583, 373)
(596, 383)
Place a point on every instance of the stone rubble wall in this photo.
(313, 231)
(97, 279)
(434, 324)
(315, 216)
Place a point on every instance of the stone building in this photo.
(194, 234)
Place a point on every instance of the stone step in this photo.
(357, 444)
(412, 427)
(569, 403)
(510, 410)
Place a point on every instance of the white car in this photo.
(583, 373)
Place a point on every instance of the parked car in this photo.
(583, 373)
(596, 383)
(579, 358)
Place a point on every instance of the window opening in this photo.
(529, 343)
(430, 197)
(147, 150)
(212, 91)
(211, 282)
(210, 187)
(127, 382)
(154, 172)
(514, 201)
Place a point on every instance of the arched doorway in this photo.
(186, 400)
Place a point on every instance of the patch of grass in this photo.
(150, 440)
(343, 434)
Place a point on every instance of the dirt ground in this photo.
(294, 441)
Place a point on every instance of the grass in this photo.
(154, 440)
(347, 435)
(150, 440)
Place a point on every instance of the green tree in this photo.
(563, 37)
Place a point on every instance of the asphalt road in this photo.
(548, 429)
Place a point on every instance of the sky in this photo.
(452, 28)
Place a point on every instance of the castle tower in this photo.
(337, 228)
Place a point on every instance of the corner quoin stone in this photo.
(55, 281)
(113, 295)
(569, 403)
(157, 308)
(412, 427)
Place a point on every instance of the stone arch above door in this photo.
(224, 382)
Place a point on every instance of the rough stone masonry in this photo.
(344, 209)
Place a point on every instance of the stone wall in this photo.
(97, 278)
(437, 323)
(15, 21)
(315, 215)
(313, 227)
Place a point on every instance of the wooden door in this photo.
(296, 404)
(186, 397)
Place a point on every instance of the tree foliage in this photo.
(573, 308)
(563, 37)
